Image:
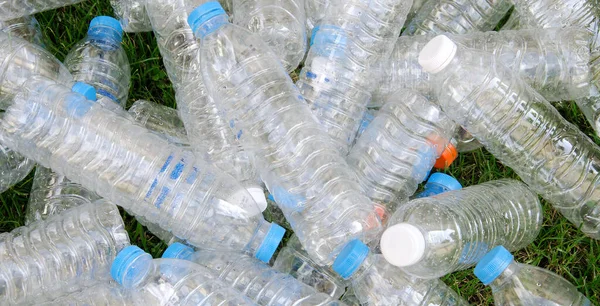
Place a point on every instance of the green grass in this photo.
(560, 247)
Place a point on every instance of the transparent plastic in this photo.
(12, 9)
(26, 27)
(457, 16)
(555, 14)
(461, 226)
(14, 167)
(520, 128)
(338, 76)
(300, 165)
(399, 148)
(63, 254)
(105, 151)
(464, 141)
(315, 11)
(101, 293)
(281, 24)
(132, 15)
(160, 119)
(259, 282)
(100, 60)
(365, 122)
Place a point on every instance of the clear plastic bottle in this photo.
(520, 128)
(515, 283)
(309, 179)
(14, 167)
(465, 142)
(281, 24)
(458, 16)
(101, 293)
(100, 60)
(12, 9)
(366, 121)
(171, 281)
(431, 237)
(132, 15)
(26, 27)
(61, 254)
(160, 119)
(338, 76)
(438, 183)
(376, 282)
(208, 129)
(555, 14)
(315, 11)
(261, 283)
(105, 151)
(399, 148)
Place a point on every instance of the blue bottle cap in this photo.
(127, 268)
(88, 91)
(179, 250)
(350, 258)
(493, 264)
(445, 180)
(270, 243)
(203, 13)
(105, 27)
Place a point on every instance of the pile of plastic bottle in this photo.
(348, 161)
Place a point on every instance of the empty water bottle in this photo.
(259, 282)
(520, 128)
(100, 293)
(280, 23)
(100, 60)
(26, 27)
(338, 76)
(555, 14)
(464, 141)
(14, 167)
(457, 16)
(376, 282)
(366, 121)
(62, 254)
(399, 148)
(431, 237)
(160, 119)
(315, 11)
(171, 281)
(132, 15)
(105, 151)
(12, 9)
(309, 179)
(438, 183)
(515, 283)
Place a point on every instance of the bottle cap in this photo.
(447, 158)
(203, 13)
(493, 264)
(178, 250)
(106, 27)
(402, 244)
(258, 194)
(130, 265)
(445, 180)
(270, 243)
(84, 89)
(437, 54)
(350, 258)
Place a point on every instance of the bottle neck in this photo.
(211, 25)
(363, 269)
(506, 276)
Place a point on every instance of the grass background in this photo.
(560, 247)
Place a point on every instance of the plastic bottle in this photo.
(457, 16)
(366, 121)
(259, 282)
(514, 283)
(101, 293)
(100, 60)
(160, 119)
(105, 151)
(548, 153)
(208, 129)
(62, 254)
(26, 27)
(338, 76)
(132, 15)
(465, 142)
(171, 281)
(376, 282)
(14, 167)
(12, 9)
(438, 183)
(315, 11)
(309, 179)
(281, 24)
(431, 237)
(399, 148)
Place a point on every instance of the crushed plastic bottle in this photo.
(26, 27)
(160, 119)
(13, 9)
(132, 15)
(14, 167)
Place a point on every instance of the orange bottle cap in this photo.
(448, 156)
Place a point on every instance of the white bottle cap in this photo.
(258, 194)
(437, 54)
(402, 244)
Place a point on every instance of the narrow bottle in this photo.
(62, 254)
(261, 283)
(434, 236)
(12, 9)
(515, 283)
(300, 165)
(520, 128)
(171, 281)
(105, 151)
(132, 15)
